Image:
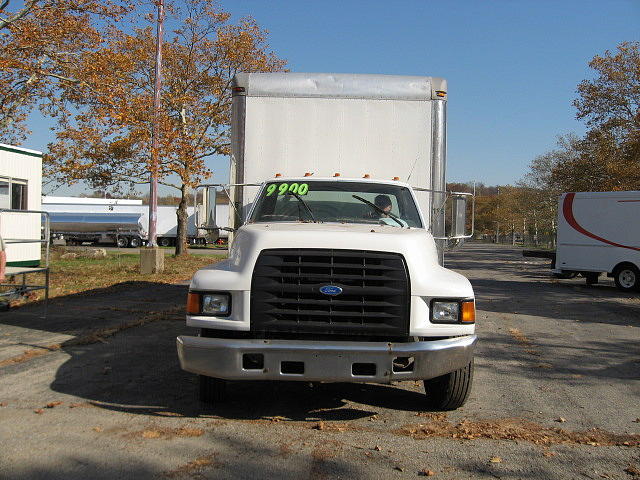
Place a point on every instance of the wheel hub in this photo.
(627, 278)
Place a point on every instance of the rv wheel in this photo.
(627, 277)
(164, 241)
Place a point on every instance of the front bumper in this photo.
(323, 361)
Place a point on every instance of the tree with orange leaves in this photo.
(108, 142)
(41, 42)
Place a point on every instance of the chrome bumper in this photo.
(323, 361)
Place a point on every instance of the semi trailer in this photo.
(91, 219)
(335, 270)
(121, 229)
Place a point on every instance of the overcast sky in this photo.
(512, 66)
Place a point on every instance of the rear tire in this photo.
(627, 277)
(450, 391)
(121, 242)
(212, 390)
(135, 242)
(164, 242)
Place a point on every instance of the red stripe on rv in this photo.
(567, 211)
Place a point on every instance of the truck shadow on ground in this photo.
(123, 357)
(137, 371)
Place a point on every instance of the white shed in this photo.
(20, 189)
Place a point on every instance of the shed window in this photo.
(19, 195)
(4, 193)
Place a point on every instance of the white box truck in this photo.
(599, 232)
(334, 272)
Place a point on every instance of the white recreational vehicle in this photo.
(20, 189)
(599, 232)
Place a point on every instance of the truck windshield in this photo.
(337, 202)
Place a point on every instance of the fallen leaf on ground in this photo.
(400, 469)
(52, 404)
(97, 429)
(495, 460)
(38, 411)
(561, 420)
(3, 404)
(377, 448)
(637, 420)
(426, 473)
(548, 453)
(544, 365)
(277, 419)
(632, 470)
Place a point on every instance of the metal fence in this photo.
(527, 240)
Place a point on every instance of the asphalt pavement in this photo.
(95, 391)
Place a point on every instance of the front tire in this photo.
(450, 391)
(627, 277)
(212, 390)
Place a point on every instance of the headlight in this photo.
(218, 304)
(453, 311)
(445, 312)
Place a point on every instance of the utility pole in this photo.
(153, 193)
(152, 258)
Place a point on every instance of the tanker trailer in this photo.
(121, 229)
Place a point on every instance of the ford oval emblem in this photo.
(331, 290)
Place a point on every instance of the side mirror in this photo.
(459, 202)
(205, 210)
(458, 216)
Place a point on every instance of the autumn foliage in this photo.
(42, 44)
(108, 142)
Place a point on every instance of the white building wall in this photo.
(21, 165)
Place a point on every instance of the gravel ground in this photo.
(95, 391)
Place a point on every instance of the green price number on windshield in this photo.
(283, 188)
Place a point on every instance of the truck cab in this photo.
(325, 282)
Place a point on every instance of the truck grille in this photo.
(286, 297)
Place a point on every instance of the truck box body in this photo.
(597, 231)
(383, 126)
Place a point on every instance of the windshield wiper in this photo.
(305, 205)
(378, 209)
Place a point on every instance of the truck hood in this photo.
(415, 244)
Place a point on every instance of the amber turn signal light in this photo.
(193, 303)
(468, 312)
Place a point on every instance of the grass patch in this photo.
(75, 275)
